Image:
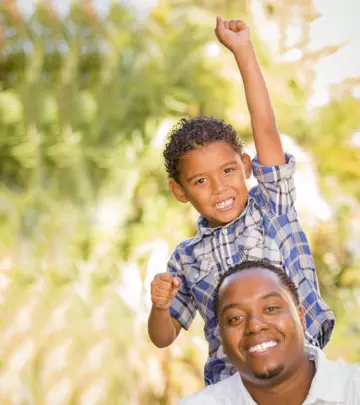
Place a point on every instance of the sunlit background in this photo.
(89, 90)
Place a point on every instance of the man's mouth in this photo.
(225, 204)
(262, 347)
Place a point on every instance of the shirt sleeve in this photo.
(183, 307)
(276, 187)
(203, 397)
(352, 388)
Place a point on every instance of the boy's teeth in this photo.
(262, 347)
(224, 204)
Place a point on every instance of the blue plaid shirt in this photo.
(267, 229)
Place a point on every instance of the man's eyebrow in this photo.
(239, 305)
(229, 306)
(271, 294)
(232, 162)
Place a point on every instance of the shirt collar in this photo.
(327, 382)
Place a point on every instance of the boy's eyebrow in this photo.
(233, 162)
(195, 175)
(238, 304)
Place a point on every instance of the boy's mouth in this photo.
(225, 205)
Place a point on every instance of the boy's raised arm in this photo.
(235, 35)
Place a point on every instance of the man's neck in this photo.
(290, 391)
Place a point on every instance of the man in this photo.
(262, 331)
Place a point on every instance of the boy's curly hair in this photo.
(193, 133)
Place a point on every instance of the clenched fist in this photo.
(233, 34)
(164, 287)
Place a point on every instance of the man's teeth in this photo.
(262, 347)
(225, 203)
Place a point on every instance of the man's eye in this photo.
(235, 320)
(200, 181)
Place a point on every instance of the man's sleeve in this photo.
(353, 392)
(276, 188)
(204, 397)
(183, 306)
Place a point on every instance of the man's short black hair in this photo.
(193, 133)
(284, 279)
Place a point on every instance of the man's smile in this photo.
(262, 348)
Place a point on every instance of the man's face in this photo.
(261, 328)
(212, 179)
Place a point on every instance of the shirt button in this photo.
(229, 261)
(196, 276)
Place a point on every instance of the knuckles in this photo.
(161, 285)
(163, 292)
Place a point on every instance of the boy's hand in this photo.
(233, 34)
(164, 287)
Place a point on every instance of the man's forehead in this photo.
(252, 284)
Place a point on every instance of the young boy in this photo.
(207, 167)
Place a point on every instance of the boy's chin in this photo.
(222, 220)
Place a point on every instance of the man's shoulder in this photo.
(347, 378)
(350, 374)
(352, 385)
(225, 392)
(206, 396)
(348, 371)
(338, 380)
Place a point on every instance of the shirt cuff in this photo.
(271, 174)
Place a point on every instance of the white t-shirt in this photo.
(334, 383)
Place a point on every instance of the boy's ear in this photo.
(246, 160)
(178, 191)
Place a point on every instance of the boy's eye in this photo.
(200, 181)
(228, 170)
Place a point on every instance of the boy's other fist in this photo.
(233, 34)
(164, 287)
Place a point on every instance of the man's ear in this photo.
(223, 349)
(246, 161)
(178, 191)
(301, 316)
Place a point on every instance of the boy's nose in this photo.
(217, 186)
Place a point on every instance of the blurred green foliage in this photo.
(85, 101)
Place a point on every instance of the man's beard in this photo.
(269, 374)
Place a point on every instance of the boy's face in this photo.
(212, 179)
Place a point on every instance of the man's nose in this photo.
(255, 324)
